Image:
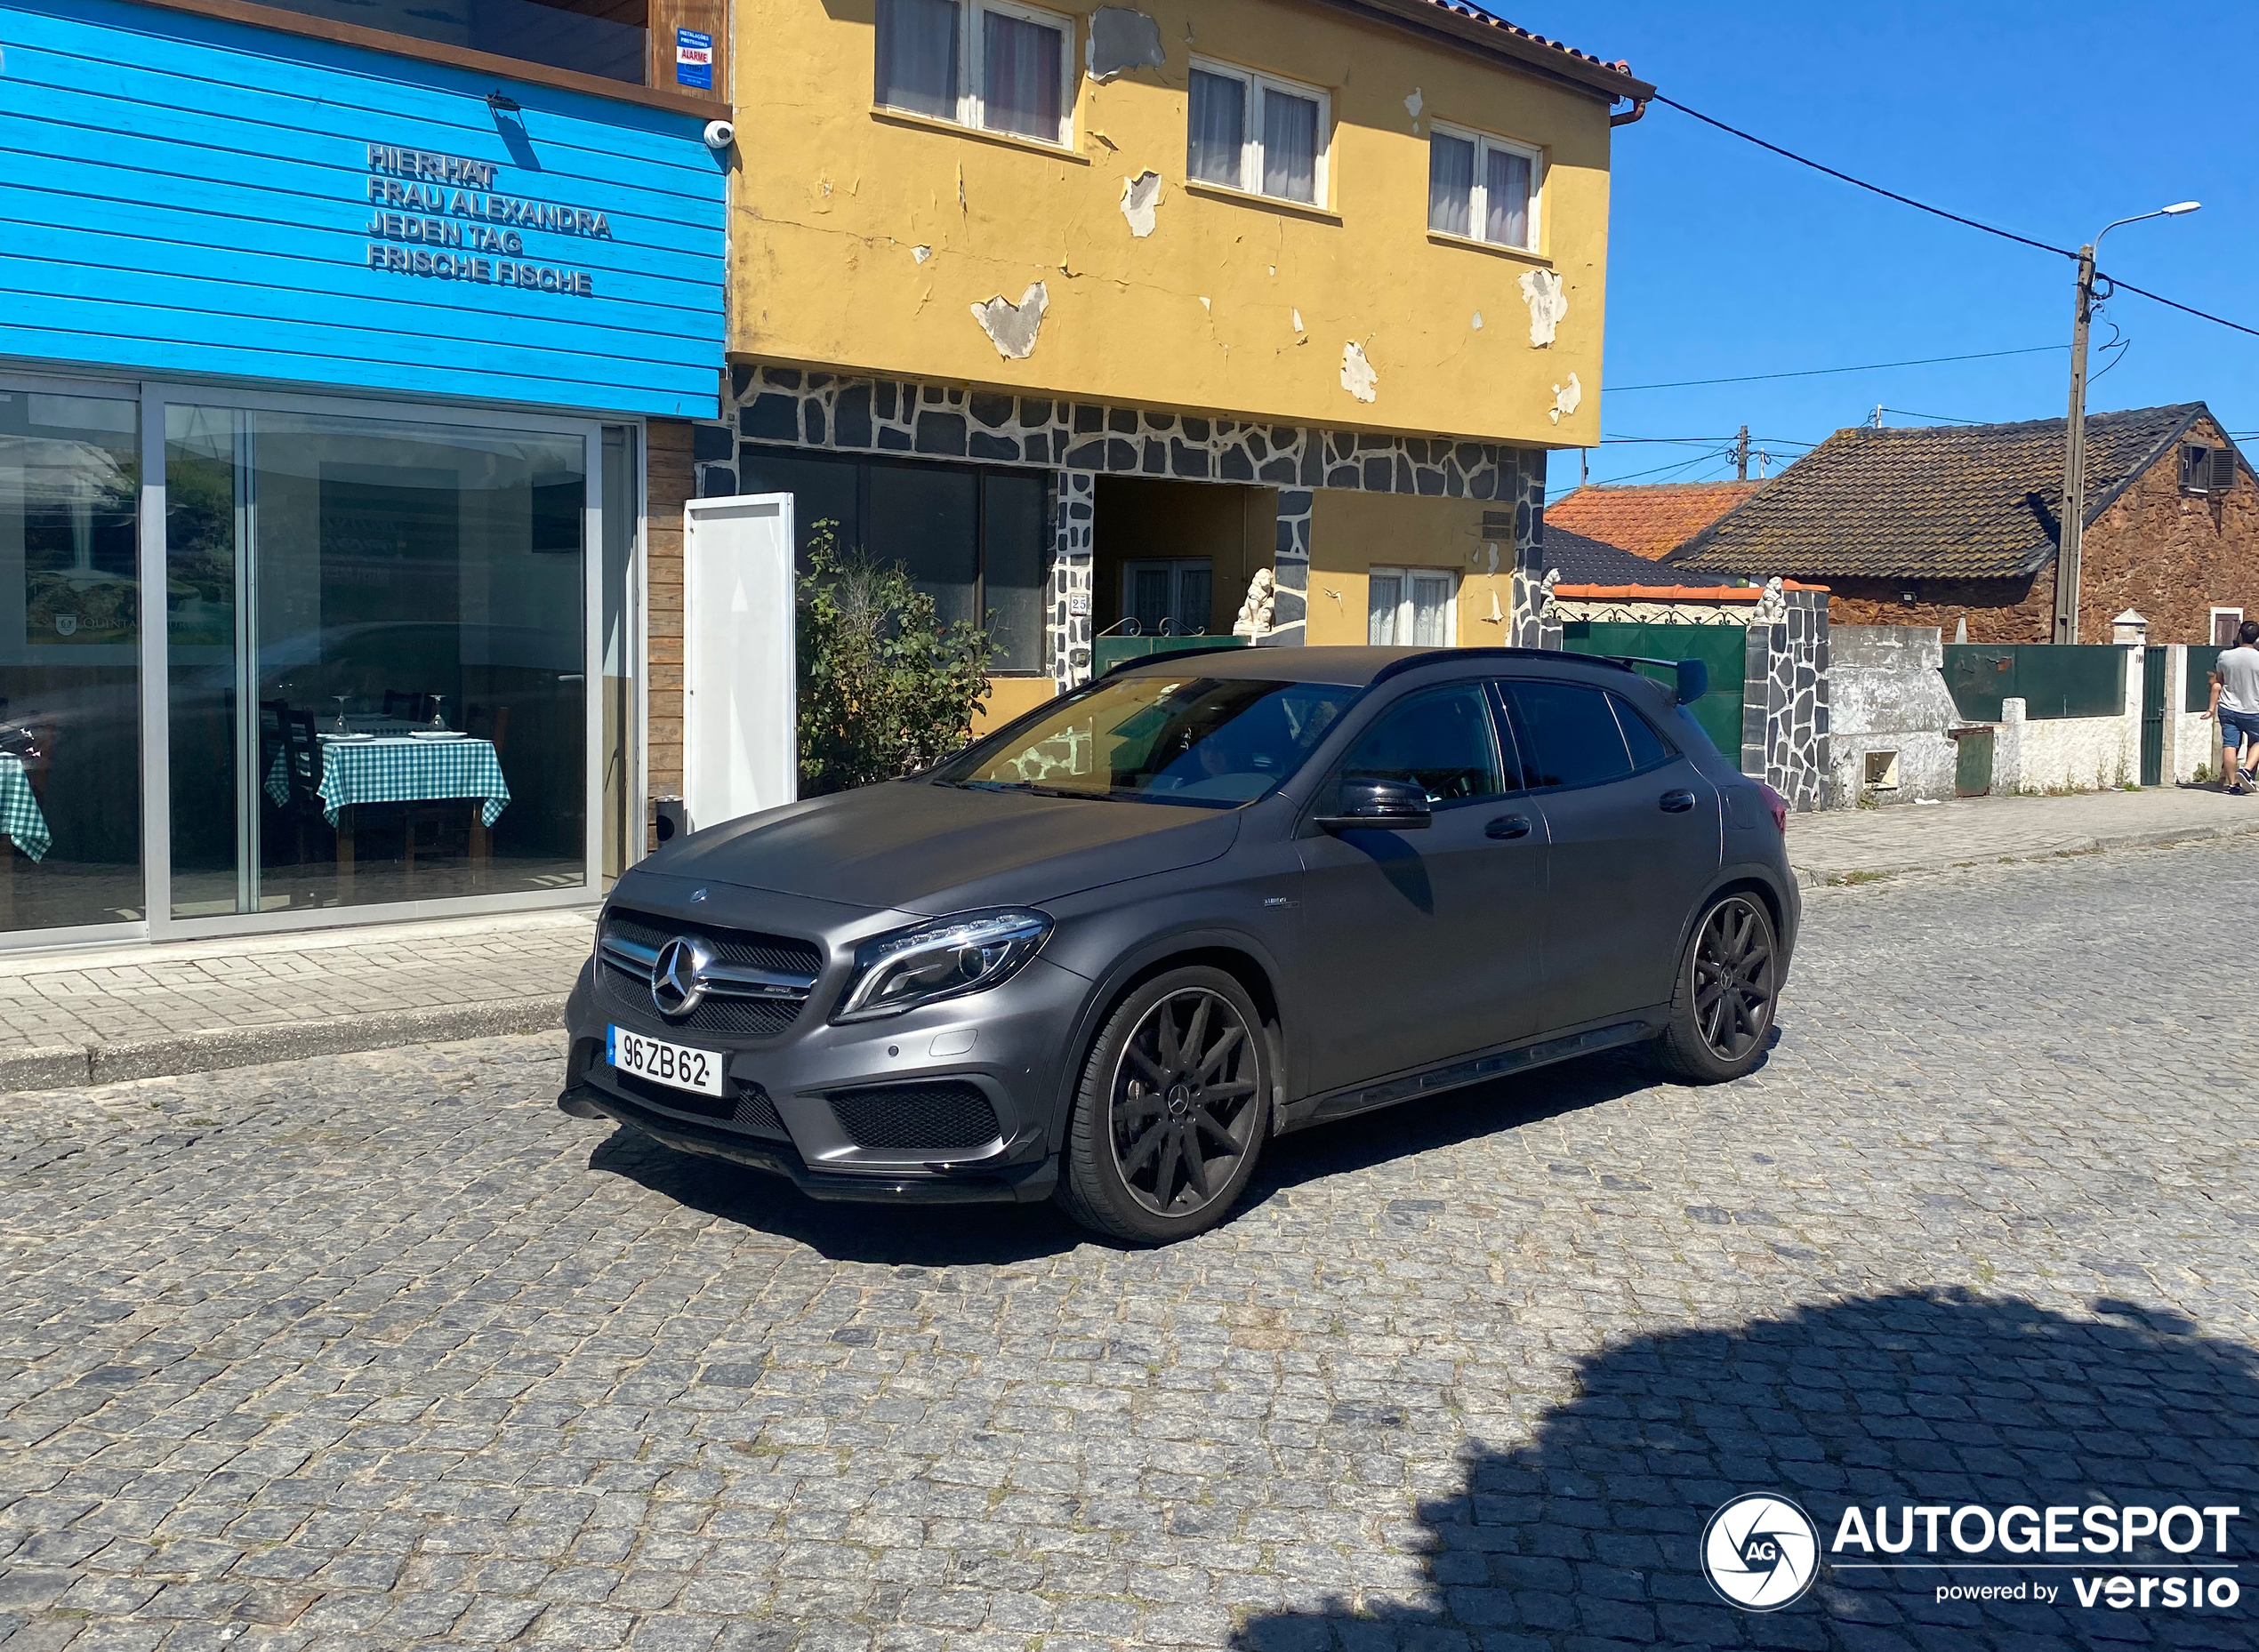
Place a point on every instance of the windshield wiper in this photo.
(1029, 787)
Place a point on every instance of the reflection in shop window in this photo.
(70, 798)
(377, 648)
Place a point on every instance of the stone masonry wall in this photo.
(1078, 441)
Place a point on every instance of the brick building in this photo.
(1959, 524)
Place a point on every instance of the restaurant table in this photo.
(405, 770)
(21, 821)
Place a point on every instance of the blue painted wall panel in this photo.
(184, 195)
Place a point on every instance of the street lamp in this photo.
(2073, 530)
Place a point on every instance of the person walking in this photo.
(2235, 701)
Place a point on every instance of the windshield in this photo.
(1203, 741)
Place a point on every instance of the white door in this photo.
(740, 748)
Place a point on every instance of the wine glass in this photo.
(340, 700)
(439, 723)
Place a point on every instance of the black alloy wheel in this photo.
(1728, 985)
(1172, 1112)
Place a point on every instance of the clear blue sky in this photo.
(2050, 120)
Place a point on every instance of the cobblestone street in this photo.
(379, 1349)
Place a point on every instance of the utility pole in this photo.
(2072, 516)
(1878, 416)
(1741, 456)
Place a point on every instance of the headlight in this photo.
(944, 959)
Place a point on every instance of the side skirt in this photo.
(1470, 1070)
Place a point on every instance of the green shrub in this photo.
(885, 688)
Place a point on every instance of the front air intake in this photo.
(917, 1116)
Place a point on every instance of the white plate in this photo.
(435, 734)
(675, 1065)
(347, 737)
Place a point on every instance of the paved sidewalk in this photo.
(96, 1015)
(1854, 846)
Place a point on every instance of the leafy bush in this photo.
(885, 688)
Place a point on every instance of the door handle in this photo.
(1509, 826)
(1677, 802)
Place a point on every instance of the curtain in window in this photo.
(1506, 181)
(1384, 593)
(1217, 129)
(1290, 147)
(1450, 184)
(1020, 92)
(1149, 592)
(917, 55)
(1430, 604)
(1195, 592)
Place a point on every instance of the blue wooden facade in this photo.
(184, 195)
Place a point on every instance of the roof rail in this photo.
(1433, 656)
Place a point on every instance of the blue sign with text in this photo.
(186, 196)
(693, 58)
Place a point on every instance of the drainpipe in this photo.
(1637, 110)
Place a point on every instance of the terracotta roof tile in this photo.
(1647, 521)
(1957, 501)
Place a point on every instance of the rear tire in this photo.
(1173, 1110)
(1725, 993)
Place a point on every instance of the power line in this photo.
(2186, 310)
(1813, 373)
(1875, 189)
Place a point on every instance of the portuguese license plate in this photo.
(675, 1065)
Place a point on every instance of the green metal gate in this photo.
(1720, 647)
(2153, 663)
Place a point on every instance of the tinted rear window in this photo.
(1569, 736)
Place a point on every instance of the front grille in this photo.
(731, 946)
(921, 1116)
(747, 1104)
(751, 1018)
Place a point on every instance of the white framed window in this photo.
(993, 64)
(1412, 608)
(2226, 623)
(1257, 133)
(1484, 188)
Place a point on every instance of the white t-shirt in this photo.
(2238, 669)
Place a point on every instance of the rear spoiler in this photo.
(1694, 675)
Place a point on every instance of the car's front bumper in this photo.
(1007, 1043)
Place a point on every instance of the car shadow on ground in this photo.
(938, 1236)
(1588, 1536)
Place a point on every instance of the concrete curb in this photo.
(60, 1067)
(1814, 878)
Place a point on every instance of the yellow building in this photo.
(1091, 314)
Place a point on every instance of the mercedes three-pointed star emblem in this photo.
(677, 977)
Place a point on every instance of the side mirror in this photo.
(1368, 800)
(1693, 681)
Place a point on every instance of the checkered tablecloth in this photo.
(19, 816)
(404, 771)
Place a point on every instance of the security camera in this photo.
(720, 135)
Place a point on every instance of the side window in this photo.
(1647, 746)
(1568, 734)
(1442, 740)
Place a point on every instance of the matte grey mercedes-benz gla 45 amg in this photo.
(1109, 950)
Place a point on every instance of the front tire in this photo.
(1727, 989)
(1173, 1110)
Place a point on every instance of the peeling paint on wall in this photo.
(1298, 328)
(1548, 303)
(1012, 327)
(1357, 376)
(1414, 104)
(1140, 199)
(1565, 397)
(921, 253)
(1120, 40)
(1478, 321)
